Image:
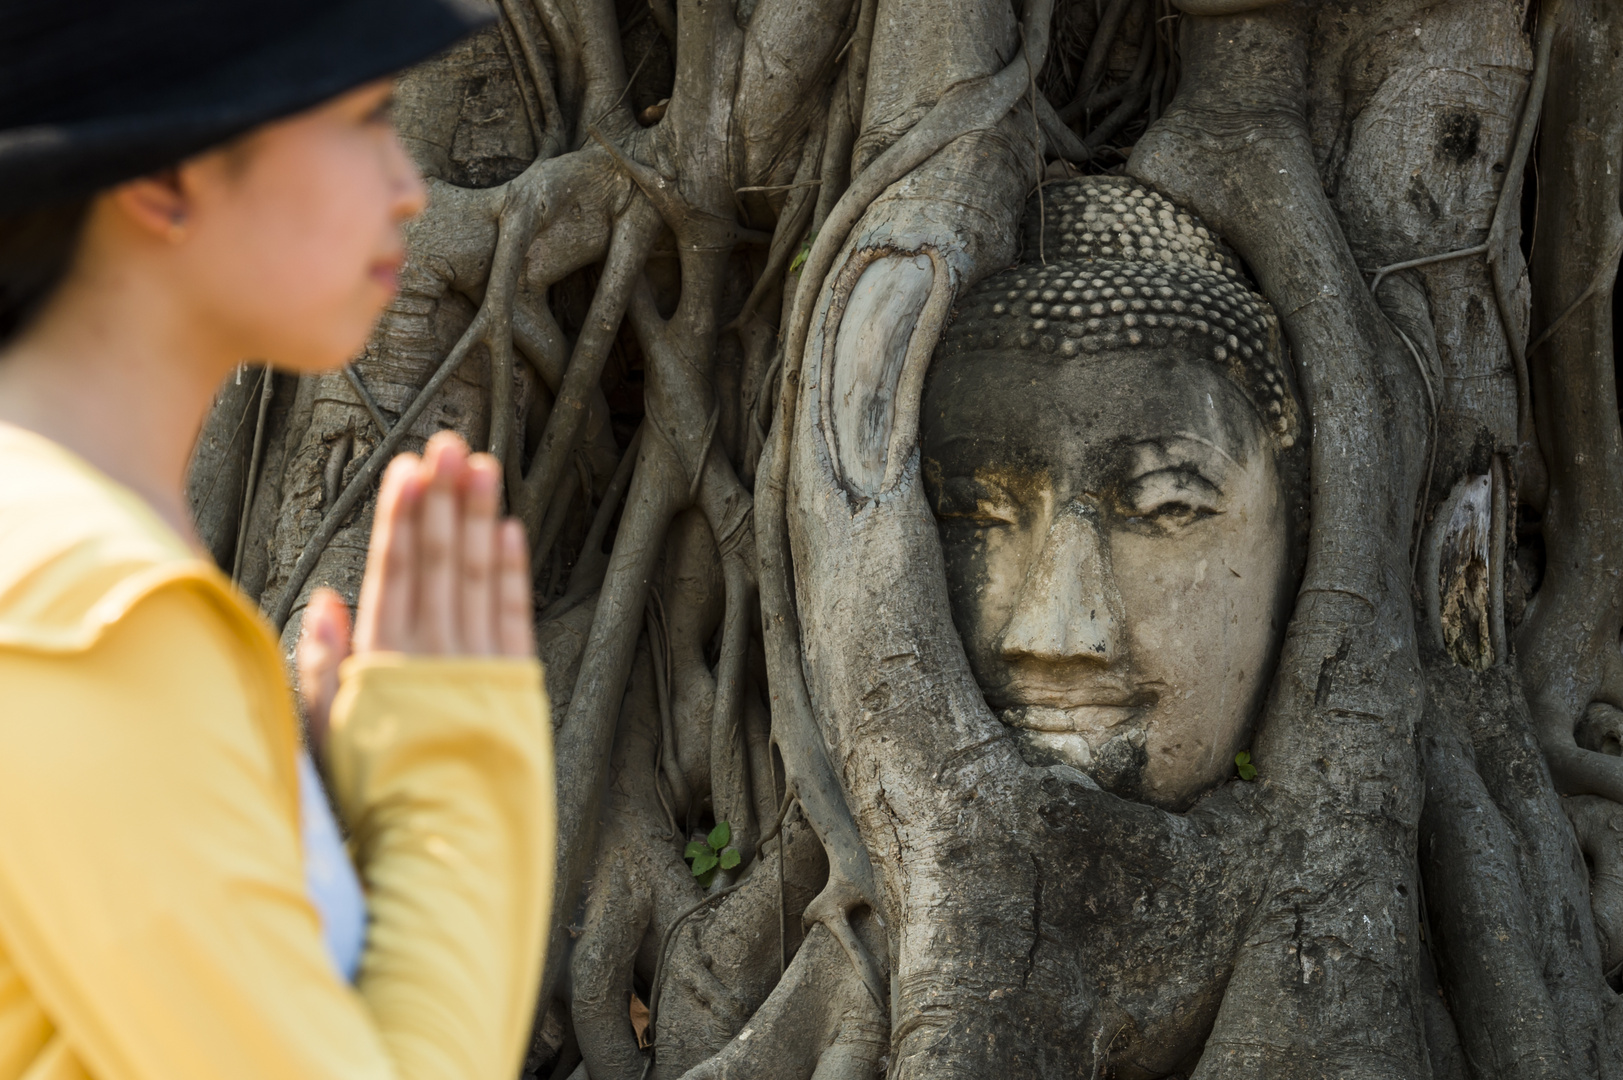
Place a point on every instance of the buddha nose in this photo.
(1068, 608)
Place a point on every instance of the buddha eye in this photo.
(965, 500)
(1177, 514)
(1173, 498)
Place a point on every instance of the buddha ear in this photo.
(891, 320)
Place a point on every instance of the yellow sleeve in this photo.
(151, 884)
(442, 770)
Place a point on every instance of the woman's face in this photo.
(290, 239)
(1115, 535)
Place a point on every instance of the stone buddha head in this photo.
(1113, 452)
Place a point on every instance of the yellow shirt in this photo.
(154, 923)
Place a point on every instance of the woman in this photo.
(187, 188)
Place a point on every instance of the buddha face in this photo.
(1116, 545)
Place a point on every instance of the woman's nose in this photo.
(410, 193)
(1068, 608)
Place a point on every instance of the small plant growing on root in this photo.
(712, 853)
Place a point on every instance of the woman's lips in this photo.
(386, 272)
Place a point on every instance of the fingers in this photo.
(439, 555)
(388, 601)
(445, 576)
(478, 593)
(323, 646)
(515, 619)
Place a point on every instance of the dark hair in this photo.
(36, 249)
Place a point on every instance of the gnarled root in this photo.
(725, 960)
(1599, 824)
(1507, 1022)
(820, 1022)
(617, 914)
(1236, 147)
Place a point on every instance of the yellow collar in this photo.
(78, 549)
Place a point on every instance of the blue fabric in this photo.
(329, 876)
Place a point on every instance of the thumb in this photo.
(323, 646)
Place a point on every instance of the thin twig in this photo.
(266, 383)
(1607, 266)
(768, 188)
(1431, 460)
(219, 468)
(551, 113)
(1037, 152)
(633, 78)
(511, 47)
(367, 399)
(658, 653)
(1425, 260)
(1499, 228)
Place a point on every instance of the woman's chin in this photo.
(321, 356)
(320, 361)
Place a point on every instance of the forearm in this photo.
(442, 770)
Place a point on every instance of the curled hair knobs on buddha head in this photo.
(1119, 266)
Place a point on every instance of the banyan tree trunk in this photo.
(684, 270)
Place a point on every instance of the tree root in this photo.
(611, 199)
(617, 913)
(1530, 465)
(1599, 825)
(1345, 691)
(592, 564)
(717, 896)
(1569, 640)
(1087, 97)
(967, 106)
(820, 1022)
(633, 236)
(1221, 7)
(1507, 1022)
(517, 207)
(587, 734)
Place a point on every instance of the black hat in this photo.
(94, 92)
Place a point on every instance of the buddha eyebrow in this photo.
(1184, 436)
(972, 437)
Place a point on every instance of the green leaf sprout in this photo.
(712, 853)
(1242, 761)
(801, 255)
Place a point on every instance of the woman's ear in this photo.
(156, 204)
